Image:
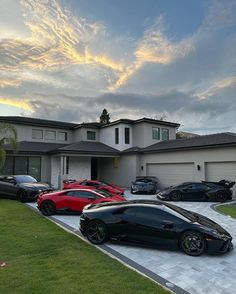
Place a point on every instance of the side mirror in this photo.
(168, 225)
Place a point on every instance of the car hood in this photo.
(35, 186)
(206, 222)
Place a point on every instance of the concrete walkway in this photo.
(211, 274)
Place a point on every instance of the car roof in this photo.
(130, 203)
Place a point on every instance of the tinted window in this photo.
(127, 135)
(62, 136)
(156, 133)
(37, 134)
(165, 134)
(50, 135)
(81, 194)
(91, 135)
(116, 135)
(25, 179)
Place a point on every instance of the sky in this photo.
(171, 59)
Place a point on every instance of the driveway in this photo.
(179, 272)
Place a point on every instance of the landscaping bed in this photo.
(36, 256)
(227, 209)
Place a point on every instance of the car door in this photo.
(193, 191)
(76, 200)
(150, 225)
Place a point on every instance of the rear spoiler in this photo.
(69, 181)
(223, 183)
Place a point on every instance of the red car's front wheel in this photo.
(48, 208)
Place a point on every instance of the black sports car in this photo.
(202, 191)
(155, 222)
(144, 185)
(22, 187)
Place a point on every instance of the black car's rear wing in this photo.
(223, 183)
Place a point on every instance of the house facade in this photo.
(118, 152)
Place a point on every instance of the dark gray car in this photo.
(22, 187)
(144, 185)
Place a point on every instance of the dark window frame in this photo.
(127, 135)
(153, 133)
(167, 133)
(116, 135)
(93, 133)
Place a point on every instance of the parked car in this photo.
(93, 184)
(154, 222)
(201, 191)
(22, 187)
(73, 200)
(144, 185)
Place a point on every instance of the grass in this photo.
(42, 258)
(227, 209)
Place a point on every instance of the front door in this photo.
(94, 168)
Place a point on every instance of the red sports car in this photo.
(73, 200)
(93, 184)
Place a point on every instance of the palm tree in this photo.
(8, 136)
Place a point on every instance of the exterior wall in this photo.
(142, 134)
(199, 157)
(45, 169)
(24, 133)
(55, 171)
(79, 168)
(123, 174)
(81, 134)
(107, 136)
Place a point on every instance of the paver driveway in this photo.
(204, 274)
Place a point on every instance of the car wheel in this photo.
(175, 196)
(48, 208)
(22, 196)
(221, 196)
(193, 243)
(96, 232)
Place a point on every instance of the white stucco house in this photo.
(118, 152)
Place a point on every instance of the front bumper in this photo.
(220, 246)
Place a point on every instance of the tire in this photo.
(192, 243)
(96, 232)
(48, 208)
(175, 196)
(22, 196)
(220, 196)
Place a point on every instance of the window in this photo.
(156, 133)
(91, 135)
(165, 134)
(37, 134)
(81, 194)
(116, 135)
(22, 165)
(50, 135)
(126, 135)
(62, 136)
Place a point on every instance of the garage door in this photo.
(171, 173)
(216, 171)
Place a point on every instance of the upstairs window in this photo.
(165, 134)
(116, 135)
(37, 134)
(62, 136)
(156, 133)
(91, 135)
(127, 131)
(50, 135)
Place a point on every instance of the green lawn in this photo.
(227, 209)
(43, 258)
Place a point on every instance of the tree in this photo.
(8, 136)
(104, 117)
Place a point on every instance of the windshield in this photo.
(103, 193)
(25, 179)
(187, 214)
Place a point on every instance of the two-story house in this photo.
(118, 152)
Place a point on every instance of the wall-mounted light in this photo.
(141, 167)
(198, 167)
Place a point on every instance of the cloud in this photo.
(23, 104)
(5, 82)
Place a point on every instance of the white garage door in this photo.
(216, 171)
(171, 173)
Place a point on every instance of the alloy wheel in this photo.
(175, 196)
(193, 243)
(47, 208)
(97, 232)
